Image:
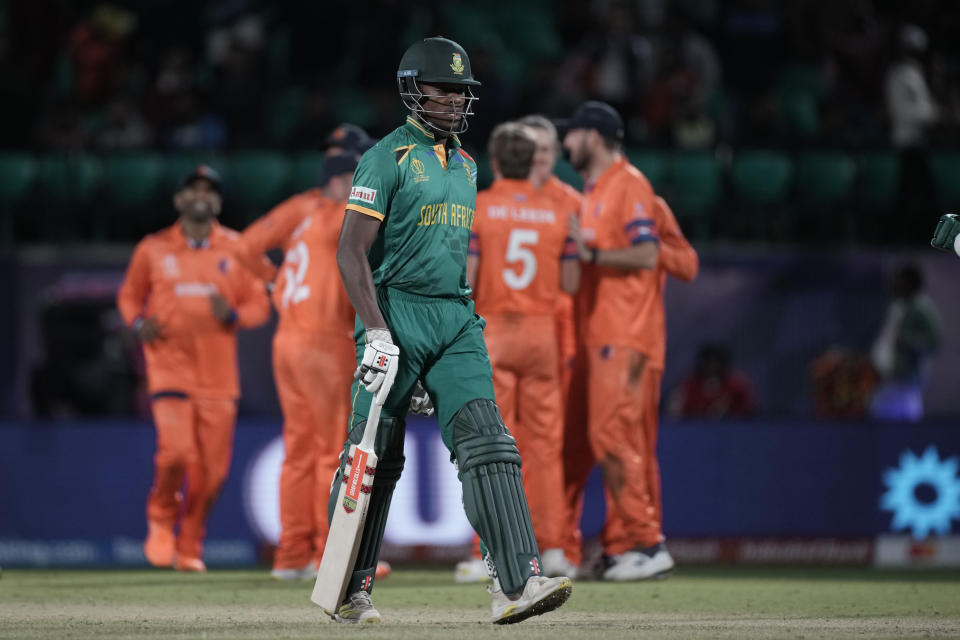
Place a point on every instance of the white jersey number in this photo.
(518, 250)
(295, 291)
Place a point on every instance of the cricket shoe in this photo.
(308, 572)
(653, 562)
(357, 609)
(470, 571)
(555, 563)
(539, 596)
(160, 544)
(186, 564)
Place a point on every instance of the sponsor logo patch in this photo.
(382, 361)
(363, 194)
(535, 566)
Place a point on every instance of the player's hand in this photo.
(221, 308)
(147, 329)
(573, 228)
(378, 368)
(946, 233)
(420, 402)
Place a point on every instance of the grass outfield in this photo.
(714, 602)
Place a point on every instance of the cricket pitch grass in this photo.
(696, 602)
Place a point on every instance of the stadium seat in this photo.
(945, 166)
(878, 181)
(761, 177)
(652, 164)
(306, 171)
(259, 180)
(484, 171)
(283, 114)
(760, 182)
(824, 179)
(694, 190)
(565, 172)
(132, 180)
(17, 174)
(69, 179)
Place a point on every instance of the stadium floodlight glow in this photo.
(909, 512)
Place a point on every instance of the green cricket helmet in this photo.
(435, 61)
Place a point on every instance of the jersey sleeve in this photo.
(135, 289)
(252, 304)
(374, 184)
(677, 256)
(638, 218)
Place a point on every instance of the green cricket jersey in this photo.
(425, 197)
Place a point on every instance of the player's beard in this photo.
(579, 158)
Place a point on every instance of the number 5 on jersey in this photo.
(519, 251)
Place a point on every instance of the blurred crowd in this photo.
(222, 74)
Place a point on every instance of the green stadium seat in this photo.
(18, 171)
(17, 174)
(284, 113)
(761, 177)
(694, 190)
(565, 172)
(484, 170)
(652, 164)
(824, 179)
(259, 180)
(878, 181)
(946, 175)
(69, 179)
(133, 180)
(306, 171)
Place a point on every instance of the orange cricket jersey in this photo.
(308, 293)
(170, 280)
(616, 306)
(520, 237)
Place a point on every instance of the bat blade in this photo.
(346, 529)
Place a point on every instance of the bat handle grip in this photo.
(370, 429)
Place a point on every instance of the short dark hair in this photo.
(512, 146)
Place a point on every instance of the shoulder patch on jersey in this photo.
(467, 155)
(363, 194)
(401, 153)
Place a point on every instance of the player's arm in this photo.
(641, 254)
(677, 256)
(570, 262)
(357, 234)
(133, 293)
(268, 232)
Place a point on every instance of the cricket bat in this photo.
(346, 528)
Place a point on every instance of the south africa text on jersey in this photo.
(455, 215)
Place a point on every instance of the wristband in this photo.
(137, 324)
(232, 317)
(593, 255)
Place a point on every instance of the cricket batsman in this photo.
(402, 256)
(946, 236)
(185, 296)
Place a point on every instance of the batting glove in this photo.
(420, 402)
(946, 234)
(378, 368)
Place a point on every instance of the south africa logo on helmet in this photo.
(457, 64)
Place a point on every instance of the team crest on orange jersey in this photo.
(457, 64)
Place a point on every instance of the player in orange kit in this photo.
(313, 358)
(577, 460)
(520, 257)
(186, 296)
(629, 240)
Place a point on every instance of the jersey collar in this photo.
(424, 136)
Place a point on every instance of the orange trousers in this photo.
(524, 355)
(194, 443)
(313, 376)
(621, 418)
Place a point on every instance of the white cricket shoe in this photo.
(470, 571)
(358, 609)
(539, 596)
(308, 572)
(634, 565)
(555, 563)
